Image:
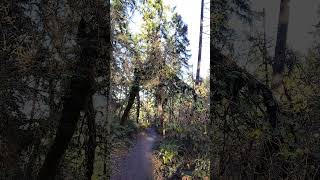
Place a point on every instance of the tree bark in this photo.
(28, 173)
(200, 44)
(138, 107)
(81, 86)
(36, 140)
(91, 146)
(132, 95)
(279, 59)
(104, 28)
(160, 112)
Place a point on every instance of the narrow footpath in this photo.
(137, 165)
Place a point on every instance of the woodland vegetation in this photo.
(77, 86)
(263, 123)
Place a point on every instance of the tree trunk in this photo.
(279, 59)
(91, 146)
(265, 61)
(132, 95)
(104, 27)
(52, 105)
(28, 173)
(200, 44)
(81, 86)
(37, 137)
(219, 65)
(36, 140)
(160, 112)
(138, 107)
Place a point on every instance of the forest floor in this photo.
(138, 163)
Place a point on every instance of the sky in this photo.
(190, 12)
(302, 18)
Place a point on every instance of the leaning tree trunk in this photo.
(220, 65)
(132, 95)
(80, 90)
(279, 59)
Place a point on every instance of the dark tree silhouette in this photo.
(75, 100)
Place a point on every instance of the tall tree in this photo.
(200, 44)
(91, 145)
(81, 88)
(280, 49)
(93, 40)
(134, 92)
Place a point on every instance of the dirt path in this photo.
(138, 165)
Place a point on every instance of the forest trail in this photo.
(137, 165)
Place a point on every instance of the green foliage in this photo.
(169, 152)
(184, 149)
(122, 135)
(202, 168)
(241, 133)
